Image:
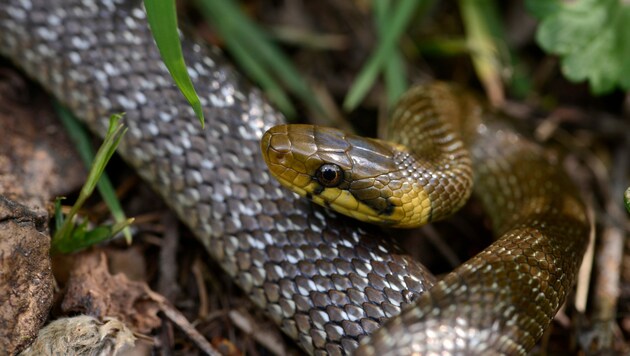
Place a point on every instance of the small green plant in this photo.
(81, 139)
(591, 37)
(626, 199)
(69, 236)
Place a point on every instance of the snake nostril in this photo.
(279, 157)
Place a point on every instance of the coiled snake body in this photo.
(326, 280)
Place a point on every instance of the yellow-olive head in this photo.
(360, 177)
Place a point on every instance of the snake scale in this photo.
(326, 280)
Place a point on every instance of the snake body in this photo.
(326, 280)
(537, 217)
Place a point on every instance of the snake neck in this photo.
(429, 121)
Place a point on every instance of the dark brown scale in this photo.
(98, 58)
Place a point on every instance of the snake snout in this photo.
(289, 146)
(276, 147)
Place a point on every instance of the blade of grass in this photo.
(83, 238)
(103, 155)
(235, 27)
(477, 17)
(307, 39)
(508, 65)
(400, 18)
(444, 46)
(268, 84)
(105, 187)
(394, 74)
(162, 18)
(64, 238)
(59, 218)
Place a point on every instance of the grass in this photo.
(162, 19)
(392, 21)
(70, 236)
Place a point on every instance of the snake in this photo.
(333, 284)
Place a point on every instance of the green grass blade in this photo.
(494, 60)
(484, 52)
(400, 18)
(443, 46)
(83, 238)
(394, 73)
(395, 78)
(264, 79)
(162, 18)
(105, 187)
(98, 164)
(256, 47)
(70, 237)
(59, 218)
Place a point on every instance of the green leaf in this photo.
(590, 36)
(162, 18)
(540, 9)
(626, 199)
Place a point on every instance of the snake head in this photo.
(359, 177)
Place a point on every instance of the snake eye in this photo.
(329, 175)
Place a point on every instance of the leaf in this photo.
(162, 18)
(590, 36)
(540, 9)
(626, 199)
